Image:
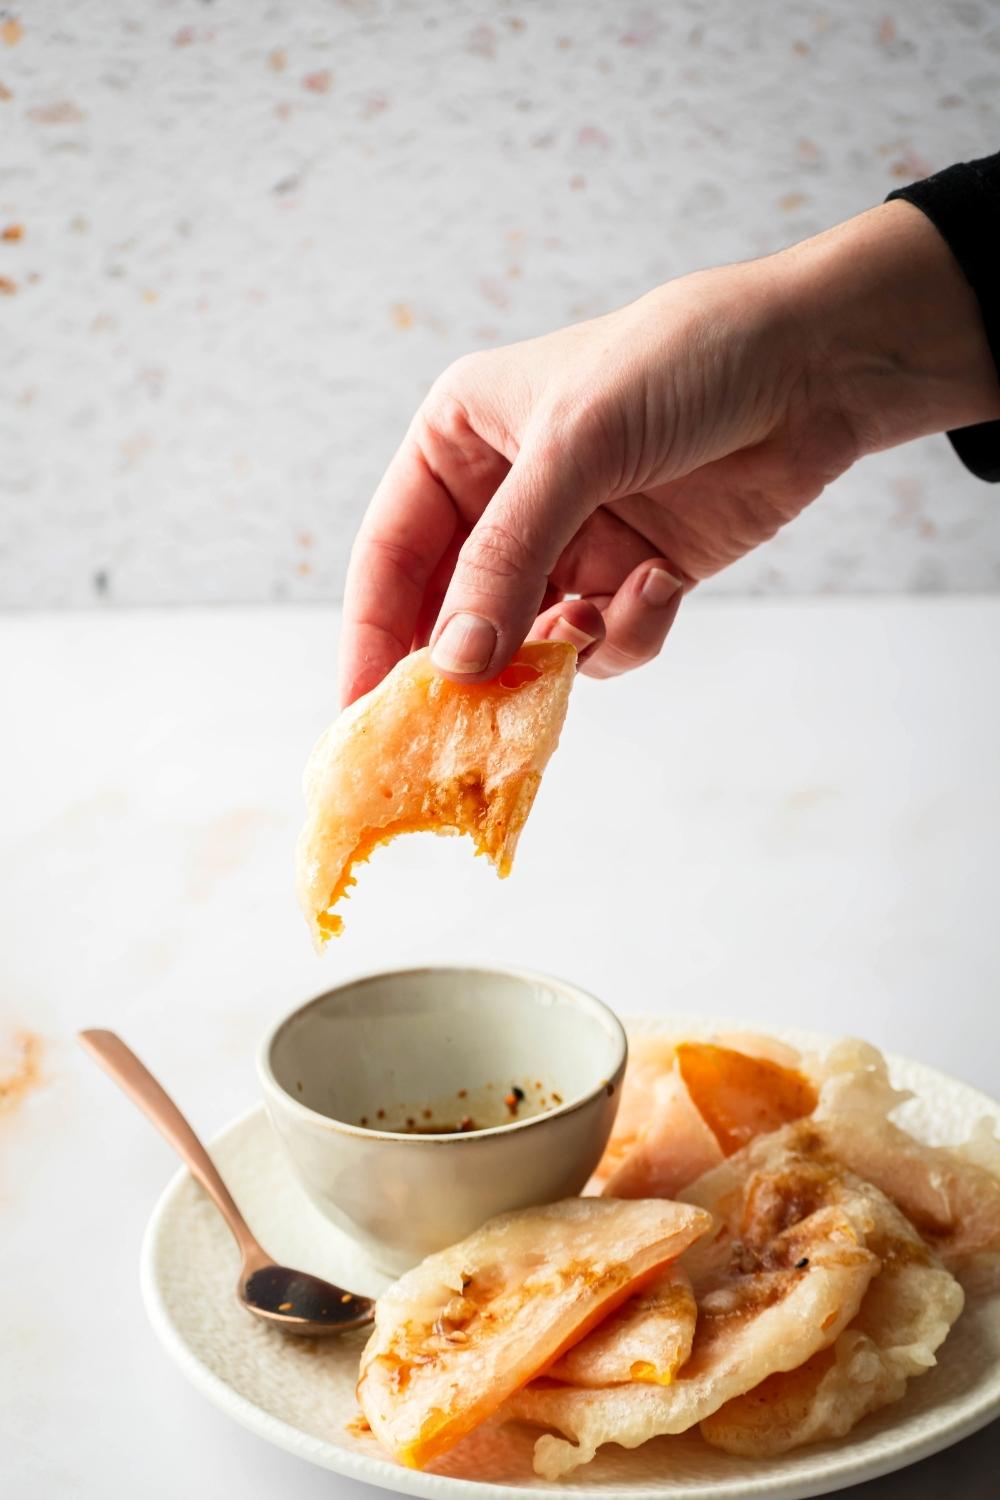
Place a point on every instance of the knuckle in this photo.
(575, 432)
(495, 551)
(444, 414)
(464, 368)
(562, 421)
(455, 381)
(407, 564)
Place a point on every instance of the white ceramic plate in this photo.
(300, 1394)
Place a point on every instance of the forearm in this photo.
(889, 320)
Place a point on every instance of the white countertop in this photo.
(794, 817)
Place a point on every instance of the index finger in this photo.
(405, 532)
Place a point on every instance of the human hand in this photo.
(622, 460)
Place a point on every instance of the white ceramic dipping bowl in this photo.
(430, 1047)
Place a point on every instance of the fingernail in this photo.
(466, 644)
(659, 587)
(562, 630)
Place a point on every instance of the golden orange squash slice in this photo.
(649, 1060)
(741, 1097)
(459, 1333)
(649, 1338)
(687, 1104)
(675, 1146)
(422, 754)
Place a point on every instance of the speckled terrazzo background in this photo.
(240, 239)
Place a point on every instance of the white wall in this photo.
(253, 232)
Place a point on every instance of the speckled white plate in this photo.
(300, 1394)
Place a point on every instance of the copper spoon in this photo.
(290, 1300)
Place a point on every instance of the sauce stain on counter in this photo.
(20, 1069)
(57, 112)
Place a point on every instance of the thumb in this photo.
(503, 569)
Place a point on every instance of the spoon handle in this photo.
(142, 1088)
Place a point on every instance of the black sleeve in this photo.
(963, 204)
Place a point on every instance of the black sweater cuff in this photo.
(963, 204)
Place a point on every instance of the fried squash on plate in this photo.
(457, 1334)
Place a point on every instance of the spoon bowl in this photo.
(293, 1301)
(299, 1303)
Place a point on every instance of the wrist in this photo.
(891, 327)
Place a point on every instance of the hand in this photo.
(576, 485)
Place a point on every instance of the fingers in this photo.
(438, 483)
(502, 571)
(406, 531)
(578, 621)
(601, 555)
(636, 620)
(430, 605)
